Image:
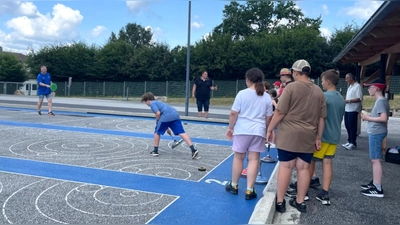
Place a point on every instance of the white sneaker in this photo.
(345, 145)
(350, 147)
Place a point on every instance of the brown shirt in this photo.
(304, 104)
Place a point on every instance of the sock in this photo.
(192, 148)
(233, 184)
(155, 149)
(314, 177)
(378, 186)
(250, 189)
(324, 193)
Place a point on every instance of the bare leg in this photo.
(206, 114)
(252, 168)
(312, 168)
(199, 114)
(39, 105)
(156, 139)
(284, 175)
(303, 179)
(186, 138)
(50, 103)
(237, 166)
(327, 172)
(377, 171)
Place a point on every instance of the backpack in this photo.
(393, 155)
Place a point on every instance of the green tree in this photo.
(133, 34)
(11, 69)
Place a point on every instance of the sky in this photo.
(38, 23)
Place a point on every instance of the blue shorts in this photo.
(175, 126)
(47, 96)
(286, 156)
(375, 145)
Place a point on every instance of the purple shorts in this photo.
(245, 143)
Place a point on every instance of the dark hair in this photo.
(331, 75)
(352, 76)
(267, 86)
(256, 76)
(305, 71)
(147, 96)
(273, 93)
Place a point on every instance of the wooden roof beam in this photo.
(376, 57)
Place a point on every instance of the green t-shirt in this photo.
(335, 105)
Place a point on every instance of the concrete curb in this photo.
(264, 211)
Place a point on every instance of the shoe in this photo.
(231, 189)
(281, 206)
(244, 172)
(176, 143)
(323, 199)
(345, 145)
(50, 114)
(153, 153)
(292, 193)
(39, 113)
(373, 192)
(194, 154)
(350, 147)
(367, 186)
(299, 206)
(251, 194)
(314, 183)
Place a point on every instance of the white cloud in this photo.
(137, 6)
(325, 9)
(197, 25)
(158, 34)
(9, 6)
(207, 36)
(32, 28)
(28, 9)
(97, 31)
(325, 32)
(362, 9)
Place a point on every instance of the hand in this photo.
(229, 134)
(317, 144)
(268, 139)
(364, 117)
(169, 131)
(193, 97)
(215, 87)
(48, 86)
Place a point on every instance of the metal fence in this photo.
(171, 89)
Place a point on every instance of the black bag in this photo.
(393, 155)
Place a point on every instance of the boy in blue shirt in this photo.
(166, 117)
(335, 107)
(44, 82)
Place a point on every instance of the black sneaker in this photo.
(292, 193)
(314, 183)
(231, 189)
(373, 192)
(251, 194)
(323, 199)
(50, 114)
(299, 206)
(154, 153)
(281, 206)
(367, 186)
(39, 113)
(194, 154)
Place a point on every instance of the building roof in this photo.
(379, 35)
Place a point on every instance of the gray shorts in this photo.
(245, 143)
(47, 96)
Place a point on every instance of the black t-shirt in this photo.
(203, 88)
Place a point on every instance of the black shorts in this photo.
(201, 103)
(286, 156)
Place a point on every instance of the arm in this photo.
(354, 100)
(158, 114)
(383, 118)
(232, 120)
(214, 88)
(321, 126)
(194, 90)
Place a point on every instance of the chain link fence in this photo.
(170, 89)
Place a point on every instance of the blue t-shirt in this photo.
(168, 113)
(45, 79)
(335, 107)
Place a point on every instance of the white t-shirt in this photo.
(354, 91)
(252, 111)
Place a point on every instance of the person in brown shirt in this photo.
(300, 118)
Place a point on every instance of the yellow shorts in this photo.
(327, 151)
